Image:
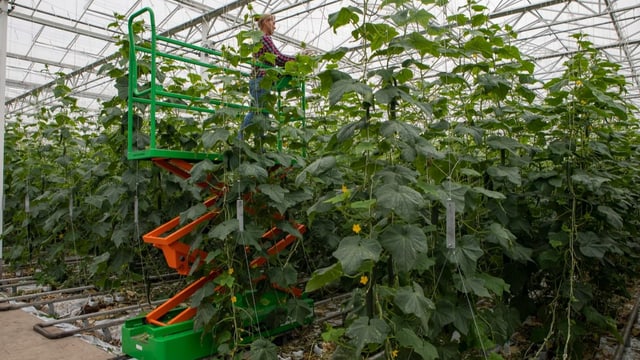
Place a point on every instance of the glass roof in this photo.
(72, 37)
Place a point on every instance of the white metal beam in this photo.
(206, 17)
(59, 26)
(4, 10)
(41, 61)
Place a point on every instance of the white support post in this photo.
(204, 57)
(4, 19)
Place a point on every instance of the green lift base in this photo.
(145, 341)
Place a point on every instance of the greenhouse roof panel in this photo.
(74, 37)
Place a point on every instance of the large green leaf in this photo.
(275, 192)
(98, 262)
(284, 276)
(397, 174)
(263, 349)
(387, 94)
(341, 87)
(590, 181)
(252, 170)
(206, 312)
(101, 229)
(471, 284)
(407, 338)
(206, 290)
(365, 331)
(330, 76)
(325, 276)
(421, 44)
(354, 250)
(411, 300)
(346, 132)
(201, 170)
(406, 132)
(604, 98)
(292, 198)
(512, 174)
(316, 168)
(425, 148)
(405, 243)
(488, 193)
(344, 16)
(113, 193)
(479, 44)
(604, 322)
(402, 200)
(600, 149)
(377, 34)
(299, 310)
(466, 254)
(120, 236)
(498, 234)
(475, 132)
(211, 138)
(591, 245)
(95, 200)
(613, 218)
(495, 284)
(494, 85)
(503, 142)
(222, 230)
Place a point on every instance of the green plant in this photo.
(539, 185)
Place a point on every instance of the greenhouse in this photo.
(396, 179)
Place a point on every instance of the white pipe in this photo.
(4, 16)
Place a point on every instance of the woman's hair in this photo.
(262, 18)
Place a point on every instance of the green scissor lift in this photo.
(168, 337)
(154, 95)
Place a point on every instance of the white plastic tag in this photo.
(451, 224)
(240, 214)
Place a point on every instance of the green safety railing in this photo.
(155, 95)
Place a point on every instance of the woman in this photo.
(267, 24)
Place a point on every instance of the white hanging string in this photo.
(451, 229)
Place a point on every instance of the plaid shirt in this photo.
(269, 47)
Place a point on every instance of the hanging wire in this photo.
(138, 238)
(27, 211)
(473, 315)
(73, 232)
(252, 290)
(242, 234)
(450, 220)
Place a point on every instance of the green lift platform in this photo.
(168, 332)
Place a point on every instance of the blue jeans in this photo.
(257, 94)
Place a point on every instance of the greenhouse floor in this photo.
(18, 341)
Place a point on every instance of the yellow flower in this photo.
(578, 83)
(345, 189)
(234, 299)
(364, 279)
(394, 354)
(230, 271)
(356, 228)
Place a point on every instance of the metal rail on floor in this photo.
(5, 303)
(626, 332)
(42, 327)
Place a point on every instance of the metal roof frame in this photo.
(543, 27)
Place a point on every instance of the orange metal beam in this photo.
(179, 255)
(155, 316)
(277, 247)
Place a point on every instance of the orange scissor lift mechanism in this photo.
(168, 332)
